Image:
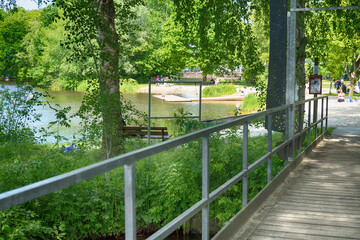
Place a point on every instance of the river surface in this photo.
(209, 110)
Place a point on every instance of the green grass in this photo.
(130, 85)
(219, 90)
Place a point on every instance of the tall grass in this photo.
(130, 85)
(219, 90)
(251, 104)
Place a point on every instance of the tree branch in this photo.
(358, 58)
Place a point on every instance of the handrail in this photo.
(38, 189)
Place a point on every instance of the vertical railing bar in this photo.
(205, 188)
(130, 201)
(322, 115)
(200, 100)
(315, 116)
(269, 161)
(327, 113)
(287, 148)
(309, 123)
(301, 126)
(245, 164)
(292, 133)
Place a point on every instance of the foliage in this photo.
(18, 112)
(91, 117)
(167, 184)
(13, 29)
(19, 223)
(184, 123)
(129, 85)
(219, 90)
(251, 104)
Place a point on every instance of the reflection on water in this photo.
(188, 95)
(209, 110)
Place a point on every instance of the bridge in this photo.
(320, 199)
(316, 195)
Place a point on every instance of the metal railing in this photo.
(38, 189)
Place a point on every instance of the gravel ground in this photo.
(345, 114)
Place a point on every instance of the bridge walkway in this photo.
(321, 199)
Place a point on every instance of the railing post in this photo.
(309, 123)
(300, 126)
(269, 161)
(200, 100)
(289, 134)
(205, 187)
(322, 114)
(315, 116)
(245, 164)
(130, 201)
(290, 81)
(327, 113)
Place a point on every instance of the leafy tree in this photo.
(157, 46)
(13, 29)
(333, 35)
(88, 20)
(220, 35)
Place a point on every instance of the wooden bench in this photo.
(142, 132)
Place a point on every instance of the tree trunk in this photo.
(356, 66)
(109, 79)
(301, 41)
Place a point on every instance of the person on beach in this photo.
(343, 87)
(341, 96)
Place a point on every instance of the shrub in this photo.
(219, 90)
(18, 110)
(251, 104)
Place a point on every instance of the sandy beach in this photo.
(167, 89)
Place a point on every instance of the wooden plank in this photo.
(142, 133)
(310, 213)
(317, 209)
(328, 191)
(322, 203)
(314, 217)
(310, 180)
(309, 220)
(295, 193)
(321, 200)
(268, 234)
(310, 229)
(143, 128)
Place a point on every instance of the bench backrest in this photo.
(155, 132)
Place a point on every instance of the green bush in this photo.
(219, 90)
(18, 223)
(17, 112)
(251, 104)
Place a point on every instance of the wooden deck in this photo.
(175, 98)
(322, 200)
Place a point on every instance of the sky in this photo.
(28, 4)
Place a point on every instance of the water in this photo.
(210, 110)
